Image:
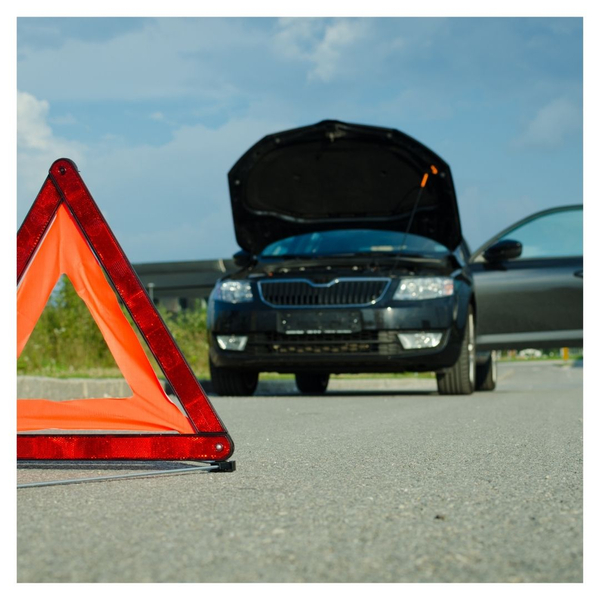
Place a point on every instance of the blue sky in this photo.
(155, 111)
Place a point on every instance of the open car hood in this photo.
(335, 175)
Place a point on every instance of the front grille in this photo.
(340, 292)
(362, 342)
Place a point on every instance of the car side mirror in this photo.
(503, 250)
(243, 259)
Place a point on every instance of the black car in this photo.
(352, 261)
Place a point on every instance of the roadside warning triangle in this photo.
(65, 233)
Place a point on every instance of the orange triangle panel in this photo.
(65, 233)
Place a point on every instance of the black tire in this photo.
(460, 379)
(486, 374)
(312, 383)
(231, 382)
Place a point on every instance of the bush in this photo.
(66, 338)
(188, 328)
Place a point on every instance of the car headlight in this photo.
(233, 292)
(424, 288)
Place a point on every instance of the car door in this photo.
(529, 283)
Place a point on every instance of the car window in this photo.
(550, 235)
(352, 241)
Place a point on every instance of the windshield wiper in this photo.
(283, 257)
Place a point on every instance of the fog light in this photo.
(420, 339)
(232, 342)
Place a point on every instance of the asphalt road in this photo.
(377, 481)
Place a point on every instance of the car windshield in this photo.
(351, 242)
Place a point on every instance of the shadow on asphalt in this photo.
(338, 393)
(286, 389)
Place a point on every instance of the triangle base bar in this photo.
(211, 467)
(201, 447)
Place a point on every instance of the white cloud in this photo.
(323, 44)
(552, 125)
(38, 147)
(330, 52)
(296, 38)
(33, 132)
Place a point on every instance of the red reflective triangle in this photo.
(65, 225)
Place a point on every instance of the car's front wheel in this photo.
(312, 383)
(460, 379)
(231, 382)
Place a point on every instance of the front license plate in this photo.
(318, 322)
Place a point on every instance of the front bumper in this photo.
(336, 340)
